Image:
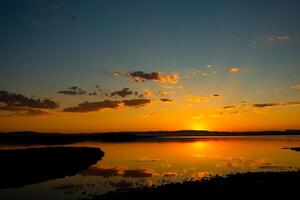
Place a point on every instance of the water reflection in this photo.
(136, 164)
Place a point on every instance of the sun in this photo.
(198, 127)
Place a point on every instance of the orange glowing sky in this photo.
(143, 65)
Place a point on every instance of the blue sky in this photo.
(49, 45)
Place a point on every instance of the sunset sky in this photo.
(108, 65)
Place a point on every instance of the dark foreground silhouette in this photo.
(28, 137)
(254, 185)
(293, 148)
(27, 166)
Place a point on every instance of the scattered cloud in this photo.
(147, 92)
(122, 93)
(21, 105)
(167, 100)
(279, 38)
(160, 92)
(196, 99)
(19, 100)
(136, 102)
(104, 172)
(116, 73)
(140, 76)
(244, 107)
(139, 173)
(216, 96)
(169, 174)
(209, 66)
(107, 104)
(233, 70)
(73, 91)
(295, 86)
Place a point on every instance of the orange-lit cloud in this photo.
(147, 92)
(164, 100)
(295, 86)
(233, 70)
(195, 99)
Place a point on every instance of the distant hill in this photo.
(29, 137)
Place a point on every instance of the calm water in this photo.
(152, 163)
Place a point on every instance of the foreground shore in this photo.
(234, 186)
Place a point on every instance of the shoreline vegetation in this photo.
(28, 137)
(34, 165)
(233, 186)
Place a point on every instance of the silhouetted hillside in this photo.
(27, 166)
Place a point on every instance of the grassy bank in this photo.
(255, 185)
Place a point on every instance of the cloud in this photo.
(195, 99)
(169, 174)
(104, 172)
(279, 38)
(116, 73)
(93, 106)
(122, 93)
(19, 100)
(21, 105)
(140, 76)
(295, 87)
(216, 96)
(25, 112)
(100, 105)
(243, 108)
(160, 92)
(73, 91)
(147, 92)
(265, 105)
(136, 102)
(139, 173)
(167, 100)
(233, 70)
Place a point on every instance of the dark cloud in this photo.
(167, 100)
(228, 107)
(140, 76)
(96, 106)
(93, 106)
(265, 105)
(19, 100)
(136, 102)
(123, 93)
(21, 105)
(73, 91)
(216, 96)
(139, 173)
(104, 172)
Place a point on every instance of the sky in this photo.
(108, 65)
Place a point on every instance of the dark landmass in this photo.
(59, 138)
(27, 166)
(293, 148)
(254, 185)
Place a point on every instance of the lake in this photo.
(133, 164)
